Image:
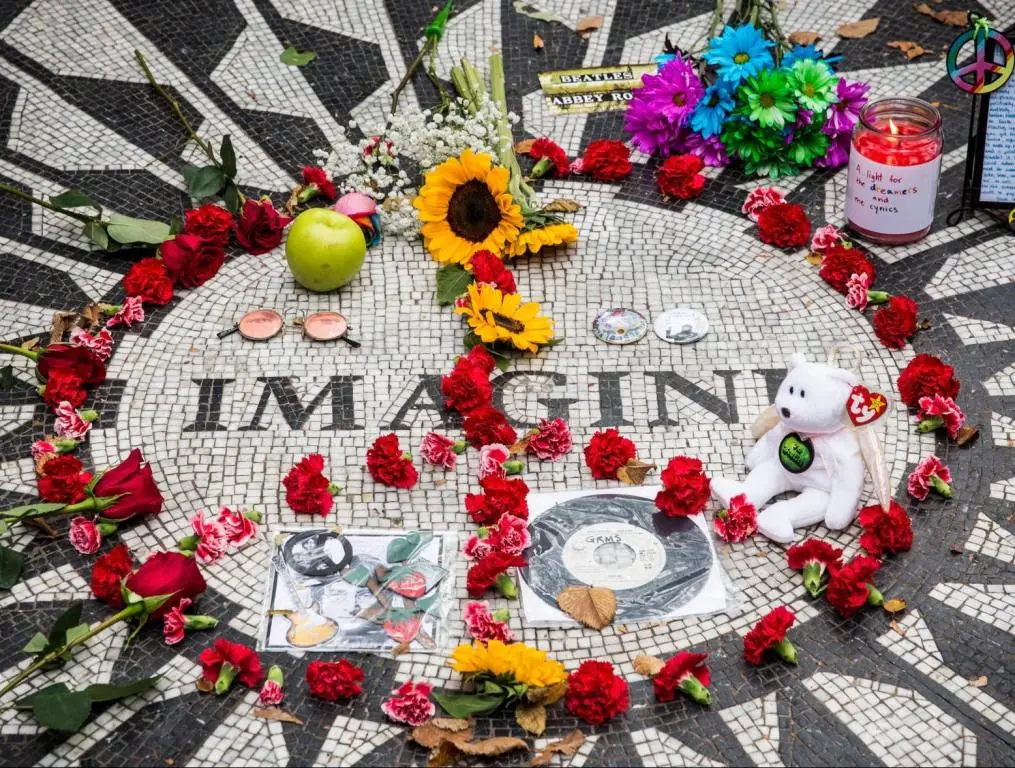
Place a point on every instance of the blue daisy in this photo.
(798, 52)
(715, 106)
(739, 53)
(662, 59)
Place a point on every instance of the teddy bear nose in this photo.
(785, 413)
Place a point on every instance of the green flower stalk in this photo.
(513, 467)
(786, 651)
(506, 586)
(433, 33)
(874, 596)
(814, 573)
(692, 687)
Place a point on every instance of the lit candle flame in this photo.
(893, 127)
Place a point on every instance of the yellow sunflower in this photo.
(517, 661)
(496, 316)
(531, 240)
(465, 207)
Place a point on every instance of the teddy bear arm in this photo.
(766, 447)
(847, 487)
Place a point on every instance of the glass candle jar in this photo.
(894, 165)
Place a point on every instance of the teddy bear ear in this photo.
(847, 376)
(798, 359)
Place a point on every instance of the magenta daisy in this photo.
(662, 106)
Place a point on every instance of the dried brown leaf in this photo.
(537, 42)
(522, 445)
(531, 717)
(562, 205)
(634, 472)
(276, 714)
(951, 18)
(30, 344)
(648, 665)
(204, 686)
(62, 322)
(92, 313)
(911, 49)
(523, 146)
(566, 747)
(895, 605)
(898, 627)
(858, 29)
(399, 649)
(594, 607)
(966, 434)
(804, 38)
(551, 694)
(445, 754)
(431, 735)
(587, 24)
(498, 745)
(978, 682)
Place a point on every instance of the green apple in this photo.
(325, 249)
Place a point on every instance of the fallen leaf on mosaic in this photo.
(275, 715)
(565, 747)
(911, 49)
(296, 58)
(649, 666)
(634, 472)
(978, 682)
(895, 605)
(803, 38)
(594, 607)
(951, 18)
(858, 29)
(531, 717)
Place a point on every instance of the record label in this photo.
(614, 555)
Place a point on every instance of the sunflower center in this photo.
(515, 326)
(767, 101)
(679, 99)
(473, 212)
(741, 58)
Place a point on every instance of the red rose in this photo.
(308, 491)
(784, 225)
(678, 668)
(243, 663)
(839, 264)
(149, 281)
(167, 573)
(79, 361)
(484, 573)
(467, 388)
(680, 177)
(595, 693)
(210, 222)
(488, 268)
(317, 177)
(607, 452)
(553, 152)
(259, 227)
(885, 533)
(134, 483)
(334, 680)
(389, 465)
(769, 633)
(64, 385)
(606, 160)
(191, 260)
(685, 488)
(848, 589)
(108, 572)
(63, 480)
(500, 496)
(926, 376)
(487, 425)
(895, 322)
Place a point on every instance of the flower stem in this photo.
(941, 486)
(930, 423)
(692, 687)
(519, 189)
(785, 650)
(31, 354)
(12, 190)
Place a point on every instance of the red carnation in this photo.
(885, 532)
(191, 260)
(490, 570)
(738, 522)
(784, 225)
(210, 222)
(63, 480)
(226, 661)
(595, 693)
(926, 376)
(334, 680)
(850, 586)
(488, 268)
(149, 281)
(770, 633)
(64, 386)
(684, 672)
(606, 160)
(308, 491)
(467, 388)
(500, 496)
(554, 156)
(259, 226)
(685, 488)
(389, 465)
(316, 177)
(680, 177)
(67, 358)
(607, 452)
(487, 425)
(551, 440)
(814, 557)
(895, 322)
(108, 573)
(841, 263)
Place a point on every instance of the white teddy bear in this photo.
(811, 449)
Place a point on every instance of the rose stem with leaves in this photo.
(11, 190)
(433, 33)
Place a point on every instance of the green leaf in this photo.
(73, 634)
(67, 621)
(523, 7)
(357, 574)
(206, 183)
(503, 362)
(404, 547)
(127, 229)
(231, 197)
(96, 232)
(106, 692)
(11, 563)
(26, 702)
(7, 377)
(62, 710)
(190, 173)
(228, 157)
(452, 282)
(37, 644)
(295, 58)
(494, 689)
(464, 705)
(73, 198)
(175, 225)
(38, 509)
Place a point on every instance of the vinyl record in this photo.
(655, 564)
(317, 554)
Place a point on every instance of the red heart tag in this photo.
(865, 407)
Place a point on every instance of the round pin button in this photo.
(681, 326)
(619, 326)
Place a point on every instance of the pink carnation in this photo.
(271, 694)
(737, 523)
(760, 198)
(551, 440)
(130, 312)
(856, 290)
(482, 625)
(410, 704)
(238, 528)
(100, 345)
(921, 480)
(477, 548)
(174, 623)
(944, 408)
(84, 535)
(438, 450)
(43, 449)
(825, 237)
(213, 541)
(510, 535)
(69, 422)
(491, 460)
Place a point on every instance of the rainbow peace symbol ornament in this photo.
(984, 73)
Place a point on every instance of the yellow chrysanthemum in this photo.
(531, 240)
(465, 207)
(496, 316)
(516, 660)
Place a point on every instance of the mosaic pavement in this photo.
(223, 420)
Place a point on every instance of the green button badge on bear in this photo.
(796, 454)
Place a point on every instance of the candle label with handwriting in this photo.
(891, 199)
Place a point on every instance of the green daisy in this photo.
(807, 146)
(813, 84)
(748, 141)
(766, 98)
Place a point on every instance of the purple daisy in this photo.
(842, 115)
(838, 152)
(710, 150)
(662, 106)
(803, 119)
